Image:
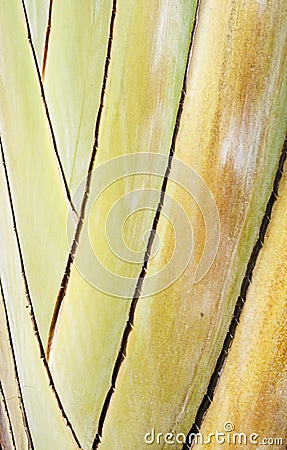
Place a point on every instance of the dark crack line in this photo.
(209, 395)
(6, 405)
(30, 305)
(43, 96)
(47, 39)
(130, 322)
(17, 377)
(67, 273)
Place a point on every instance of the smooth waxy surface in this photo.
(73, 79)
(38, 13)
(43, 414)
(40, 202)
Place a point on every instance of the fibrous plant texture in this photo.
(143, 242)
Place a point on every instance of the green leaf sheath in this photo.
(140, 106)
(83, 83)
(38, 13)
(39, 200)
(45, 420)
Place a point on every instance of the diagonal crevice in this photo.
(137, 293)
(2, 394)
(74, 246)
(17, 378)
(30, 304)
(47, 39)
(43, 96)
(218, 370)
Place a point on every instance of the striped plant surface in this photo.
(143, 223)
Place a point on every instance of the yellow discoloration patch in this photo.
(229, 121)
(252, 390)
